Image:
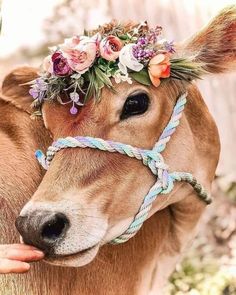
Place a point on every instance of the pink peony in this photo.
(80, 54)
(70, 42)
(110, 48)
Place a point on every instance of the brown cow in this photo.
(98, 192)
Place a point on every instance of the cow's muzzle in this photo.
(43, 230)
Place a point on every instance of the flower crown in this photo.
(80, 67)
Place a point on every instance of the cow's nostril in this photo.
(55, 227)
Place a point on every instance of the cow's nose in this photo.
(43, 229)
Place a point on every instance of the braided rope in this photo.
(150, 158)
(172, 125)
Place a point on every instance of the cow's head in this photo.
(88, 197)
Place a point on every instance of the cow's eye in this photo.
(135, 104)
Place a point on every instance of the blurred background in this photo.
(30, 26)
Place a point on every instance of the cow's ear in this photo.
(16, 91)
(215, 45)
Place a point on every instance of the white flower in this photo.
(135, 31)
(162, 41)
(127, 60)
(119, 77)
(74, 96)
(76, 76)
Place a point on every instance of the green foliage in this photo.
(97, 79)
(108, 67)
(200, 279)
(141, 77)
(200, 274)
(186, 69)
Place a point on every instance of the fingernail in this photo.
(40, 253)
(26, 266)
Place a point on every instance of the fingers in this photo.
(21, 255)
(13, 258)
(18, 246)
(11, 266)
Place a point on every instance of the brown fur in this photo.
(215, 45)
(148, 258)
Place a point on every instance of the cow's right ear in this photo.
(16, 91)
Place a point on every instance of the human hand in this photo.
(14, 258)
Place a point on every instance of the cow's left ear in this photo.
(215, 45)
(16, 91)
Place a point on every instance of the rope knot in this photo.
(155, 162)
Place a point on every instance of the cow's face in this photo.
(88, 197)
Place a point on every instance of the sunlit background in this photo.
(30, 26)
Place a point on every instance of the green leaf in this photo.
(124, 37)
(90, 91)
(141, 77)
(103, 77)
(103, 68)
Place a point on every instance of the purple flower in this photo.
(41, 84)
(74, 96)
(60, 65)
(169, 46)
(142, 52)
(34, 93)
(154, 34)
(38, 89)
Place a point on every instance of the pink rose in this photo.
(110, 48)
(70, 42)
(80, 53)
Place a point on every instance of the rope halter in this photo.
(150, 158)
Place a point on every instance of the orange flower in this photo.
(159, 67)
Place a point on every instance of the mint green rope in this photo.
(150, 158)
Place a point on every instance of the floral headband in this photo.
(80, 67)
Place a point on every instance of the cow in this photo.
(98, 193)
